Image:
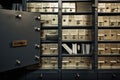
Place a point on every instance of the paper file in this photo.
(78, 47)
(87, 48)
(83, 48)
(67, 48)
(74, 48)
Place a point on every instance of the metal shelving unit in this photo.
(113, 44)
(60, 27)
(58, 63)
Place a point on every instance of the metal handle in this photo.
(77, 76)
(114, 75)
(37, 46)
(41, 76)
(101, 62)
(37, 28)
(18, 62)
(37, 57)
(19, 16)
(118, 61)
(113, 62)
(38, 18)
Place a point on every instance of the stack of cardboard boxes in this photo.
(49, 63)
(49, 20)
(49, 49)
(67, 20)
(77, 20)
(76, 63)
(109, 7)
(42, 7)
(68, 7)
(108, 63)
(49, 34)
(109, 34)
(53, 7)
(109, 21)
(108, 48)
(76, 34)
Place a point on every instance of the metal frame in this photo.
(95, 42)
(95, 24)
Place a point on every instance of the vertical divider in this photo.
(60, 39)
(96, 34)
(95, 42)
(24, 5)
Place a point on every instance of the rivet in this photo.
(37, 57)
(38, 18)
(37, 29)
(37, 46)
(18, 61)
(19, 16)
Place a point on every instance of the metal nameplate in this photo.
(19, 43)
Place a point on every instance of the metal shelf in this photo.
(42, 0)
(49, 13)
(76, 41)
(77, 13)
(109, 55)
(109, 1)
(77, 70)
(108, 14)
(49, 41)
(109, 27)
(76, 0)
(49, 55)
(77, 55)
(112, 41)
(46, 12)
(77, 27)
(49, 27)
(108, 70)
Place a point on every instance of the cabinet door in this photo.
(109, 76)
(78, 76)
(20, 39)
(36, 75)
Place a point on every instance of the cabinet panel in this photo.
(20, 39)
(78, 76)
(108, 76)
(42, 76)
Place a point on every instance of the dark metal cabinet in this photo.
(78, 75)
(19, 39)
(109, 76)
(18, 74)
(38, 75)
